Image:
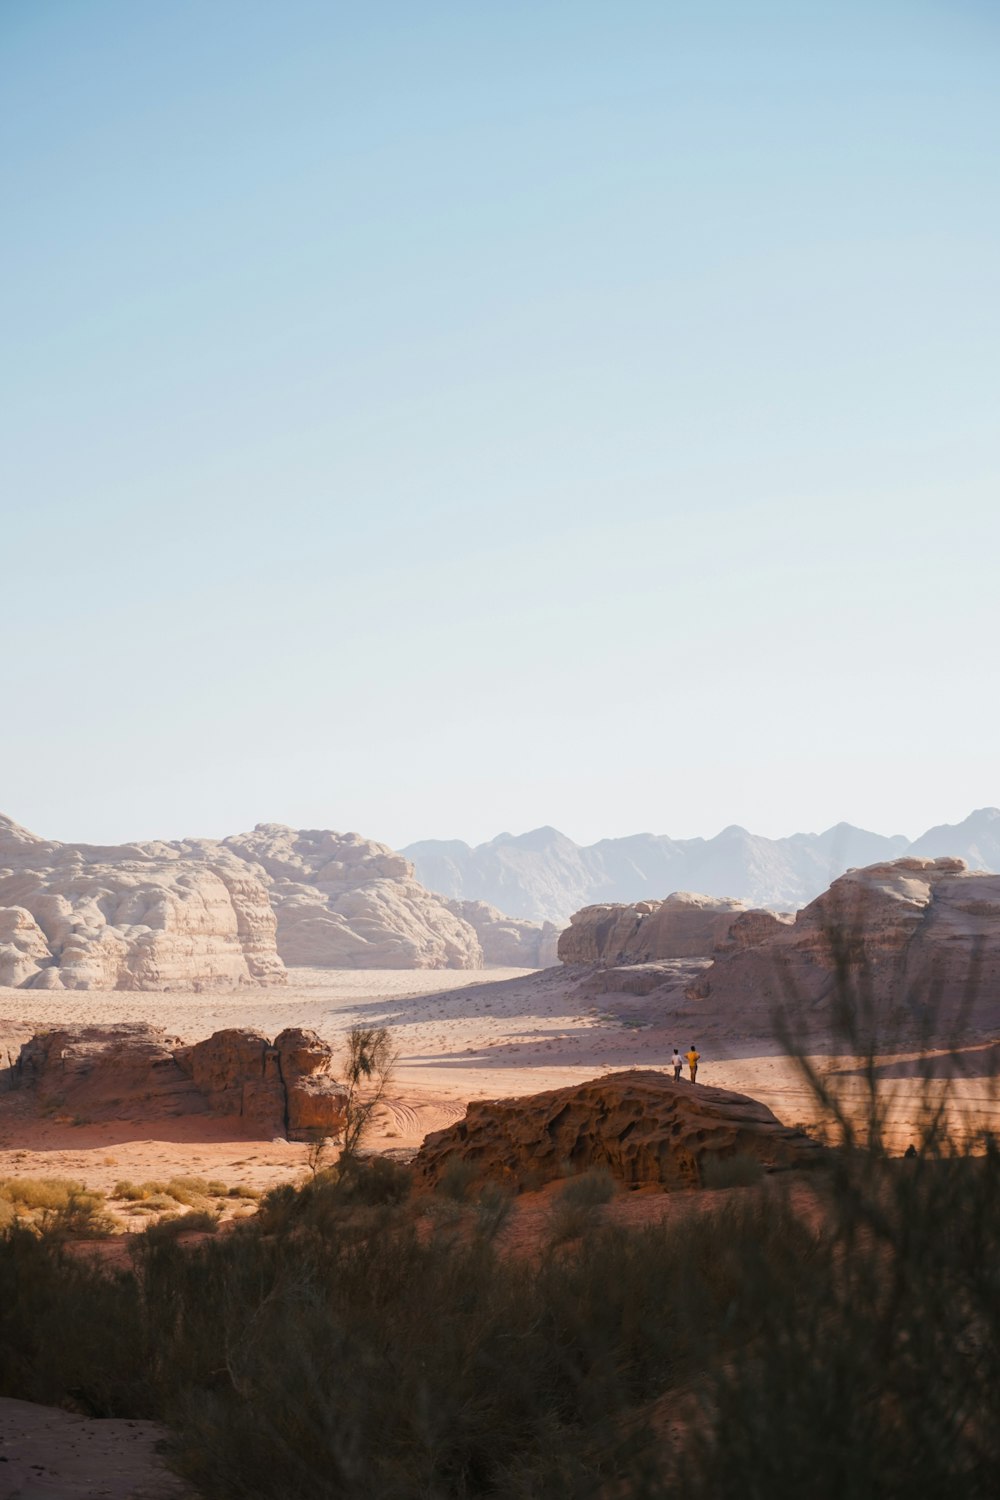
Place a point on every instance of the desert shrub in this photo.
(875, 1371)
(82, 1217)
(574, 1211)
(41, 1192)
(456, 1179)
(139, 1192)
(130, 1192)
(373, 1180)
(216, 1188)
(56, 1206)
(279, 1207)
(589, 1189)
(193, 1192)
(738, 1170)
(242, 1190)
(70, 1332)
(171, 1225)
(493, 1208)
(337, 1351)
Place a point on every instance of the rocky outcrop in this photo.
(684, 926)
(641, 1126)
(507, 942)
(76, 916)
(203, 913)
(122, 1072)
(342, 901)
(917, 941)
(24, 951)
(283, 1086)
(136, 1072)
(543, 875)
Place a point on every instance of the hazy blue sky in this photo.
(432, 419)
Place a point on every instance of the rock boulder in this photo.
(916, 941)
(684, 926)
(136, 1072)
(640, 1125)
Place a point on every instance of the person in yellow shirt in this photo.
(694, 1057)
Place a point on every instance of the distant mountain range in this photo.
(545, 876)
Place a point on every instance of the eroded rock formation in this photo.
(509, 942)
(684, 926)
(204, 913)
(345, 902)
(78, 916)
(916, 939)
(284, 1083)
(135, 1071)
(640, 1125)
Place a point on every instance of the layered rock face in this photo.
(125, 1071)
(918, 938)
(282, 1085)
(131, 918)
(136, 1072)
(640, 1125)
(509, 942)
(203, 913)
(345, 902)
(681, 927)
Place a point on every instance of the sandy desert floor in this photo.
(461, 1035)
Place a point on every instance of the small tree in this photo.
(368, 1071)
(317, 1146)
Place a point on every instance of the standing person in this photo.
(694, 1057)
(677, 1062)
